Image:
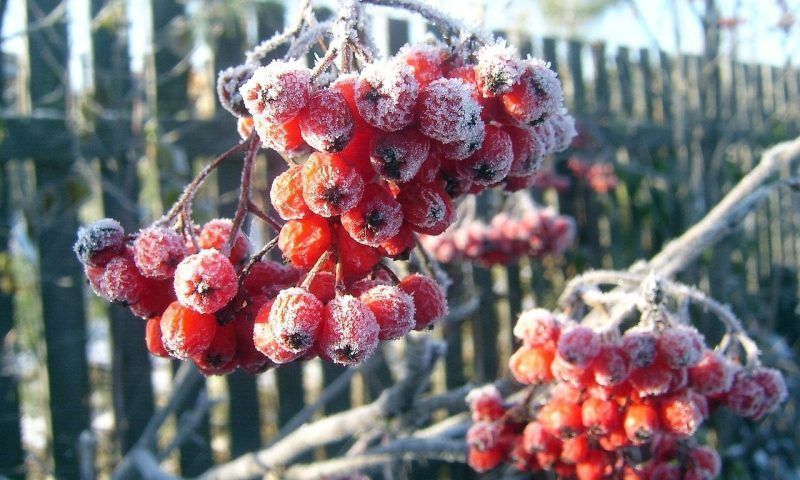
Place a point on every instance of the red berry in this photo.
(323, 286)
(398, 156)
(326, 122)
(424, 59)
(681, 346)
(713, 375)
(286, 194)
(640, 423)
(529, 151)
(185, 332)
(535, 438)
(680, 415)
(579, 346)
(595, 466)
(429, 171)
(248, 357)
(775, 393)
(265, 341)
(448, 112)
(600, 417)
(303, 241)
(538, 327)
(386, 93)
(266, 275)
(285, 138)
(492, 162)
(498, 69)
(295, 318)
(430, 303)
(569, 373)
(610, 367)
(153, 338)
(376, 218)
(561, 419)
(462, 149)
(575, 450)
(99, 242)
(536, 96)
(486, 403)
(653, 380)
(157, 251)
(205, 281)
(215, 234)
(277, 91)
(531, 365)
(486, 460)
(400, 245)
(427, 208)
(156, 296)
(640, 346)
(330, 186)
(393, 310)
(356, 258)
(706, 460)
(483, 436)
(122, 283)
(220, 357)
(350, 332)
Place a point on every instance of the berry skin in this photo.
(399, 246)
(429, 171)
(386, 93)
(462, 149)
(267, 275)
(157, 251)
(323, 286)
(574, 450)
(486, 403)
(229, 82)
(483, 436)
(569, 373)
(424, 59)
(536, 96)
(295, 319)
(492, 162)
(248, 357)
(483, 461)
(152, 338)
(356, 258)
(448, 112)
(640, 346)
(578, 346)
(775, 393)
(535, 438)
(186, 332)
(220, 357)
(653, 380)
(156, 296)
(561, 419)
(350, 331)
(265, 341)
(713, 375)
(376, 218)
(286, 194)
(498, 69)
(205, 281)
(430, 303)
(398, 156)
(427, 208)
(531, 366)
(529, 151)
(680, 415)
(277, 91)
(706, 461)
(563, 126)
(303, 241)
(610, 367)
(393, 309)
(640, 423)
(600, 417)
(122, 283)
(284, 138)
(326, 122)
(330, 186)
(681, 346)
(596, 466)
(537, 327)
(99, 242)
(215, 234)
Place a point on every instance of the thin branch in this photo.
(257, 53)
(244, 193)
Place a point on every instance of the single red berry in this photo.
(398, 156)
(265, 341)
(681, 346)
(350, 332)
(561, 419)
(492, 162)
(600, 417)
(640, 423)
(610, 367)
(303, 241)
(462, 149)
(122, 283)
(536, 96)
(205, 281)
(386, 93)
(680, 415)
(157, 295)
(427, 208)
(575, 450)
(157, 251)
(99, 242)
(746, 395)
(538, 327)
(153, 338)
(713, 375)
(376, 218)
(295, 318)
(430, 303)
(425, 60)
(448, 112)
(186, 332)
(330, 186)
(323, 286)
(393, 309)
(483, 436)
(454, 182)
(215, 234)
(529, 151)
(220, 357)
(285, 138)
(535, 438)
(326, 122)
(498, 69)
(775, 393)
(653, 380)
(531, 365)
(578, 346)
(640, 346)
(286, 194)
(486, 403)
(515, 184)
(706, 460)
(483, 461)
(277, 91)
(570, 373)
(399, 246)
(356, 258)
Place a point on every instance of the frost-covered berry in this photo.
(265, 341)
(486, 403)
(746, 395)
(775, 393)
(640, 423)
(215, 234)
(157, 295)
(531, 365)
(563, 127)
(152, 337)
(376, 218)
(99, 242)
(578, 346)
(640, 346)
(330, 186)
(536, 96)
(492, 162)
(537, 327)
(448, 112)
(248, 357)
(680, 415)
(393, 309)
(285, 138)
(462, 149)
(427, 208)
(229, 83)
(220, 356)
(425, 60)
(304, 240)
(205, 281)
(653, 380)
(398, 156)
(562, 419)
(386, 93)
(286, 194)
(122, 283)
(295, 319)
(186, 332)
(610, 367)
(498, 69)
(484, 435)
(430, 303)
(681, 346)
(326, 122)
(350, 332)
(600, 417)
(277, 91)
(706, 460)
(529, 151)
(483, 461)
(157, 251)
(713, 375)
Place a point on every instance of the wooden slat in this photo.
(549, 51)
(602, 90)
(625, 80)
(649, 91)
(575, 64)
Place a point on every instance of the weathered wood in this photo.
(649, 91)
(602, 92)
(575, 64)
(625, 80)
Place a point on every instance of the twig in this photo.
(244, 194)
(187, 425)
(257, 258)
(449, 27)
(257, 53)
(258, 212)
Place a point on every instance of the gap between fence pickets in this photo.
(422, 355)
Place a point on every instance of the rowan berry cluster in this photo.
(536, 233)
(598, 176)
(614, 406)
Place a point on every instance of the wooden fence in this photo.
(680, 129)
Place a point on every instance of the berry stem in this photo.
(450, 28)
(315, 269)
(244, 193)
(257, 258)
(258, 212)
(389, 271)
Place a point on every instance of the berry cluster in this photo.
(598, 176)
(625, 407)
(536, 233)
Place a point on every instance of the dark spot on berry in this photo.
(203, 289)
(338, 144)
(483, 171)
(436, 212)
(473, 119)
(538, 121)
(373, 95)
(375, 220)
(333, 195)
(346, 353)
(215, 360)
(297, 340)
(392, 161)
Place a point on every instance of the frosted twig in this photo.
(257, 53)
(450, 27)
(244, 194)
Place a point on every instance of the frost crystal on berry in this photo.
(498, 68)
(376, 218)
(330, 186)
(350, 332)
(537, 327)
(205, 281)
(326, 122)
(681, 346)
(229, 82)
(386, 93)
(295, 319)
(448, 112)
(579, 346)
(99, 242)
(536, 96)
(157, 251)
(278, 91)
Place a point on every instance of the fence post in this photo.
(574, 62)
(602, 92)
